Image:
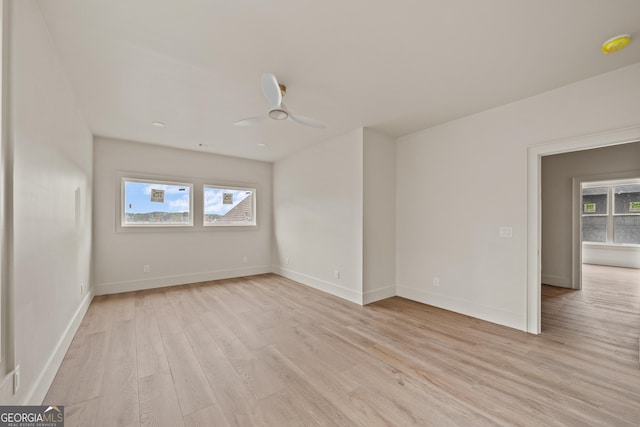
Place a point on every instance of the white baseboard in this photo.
(561, 281)
(490, 314)
(182, 279)
(319, 284)
(378, 294)
(40, 387)
(613, 255)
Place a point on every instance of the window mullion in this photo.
(610, 207)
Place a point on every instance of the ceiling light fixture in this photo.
(262, 144)
(159, 124)
(616, 43)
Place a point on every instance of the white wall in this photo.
(379, 215)
(317, 196)
(6, 208)
(334, 210)
(175, 256)
(467, 178)
(51, 242)
(558, 172)
(615, 256)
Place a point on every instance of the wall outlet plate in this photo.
(506, 232)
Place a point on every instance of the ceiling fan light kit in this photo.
(278, 114)
(273, 92)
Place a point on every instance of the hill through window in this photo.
(149, 203)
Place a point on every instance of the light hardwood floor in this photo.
(266, 351)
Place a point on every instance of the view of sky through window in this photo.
(219, 201)
(157, 203)
(138, 197)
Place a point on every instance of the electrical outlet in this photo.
(286, 261)
(336, 274)
(244, 259)
(436, 281)
(81, 288)
(146, 268)
(16, 379)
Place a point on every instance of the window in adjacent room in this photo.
(626, 214)
(147, 203)
(611, 212)
(595, 205)
(229, 206)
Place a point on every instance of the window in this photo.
(611, 212)
(147, 203)
(594, 214)
(229, 206)
(626, 221)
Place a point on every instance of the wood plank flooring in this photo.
(266, 351)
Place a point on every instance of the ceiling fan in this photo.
(274, 92)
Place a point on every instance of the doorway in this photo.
(535, 251)
(594, 207)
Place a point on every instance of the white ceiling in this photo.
(397, 66)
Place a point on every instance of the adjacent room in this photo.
(321, 213)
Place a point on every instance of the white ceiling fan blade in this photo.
(271, 90)
(251, 121)
(308, 122)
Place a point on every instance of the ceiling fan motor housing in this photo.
(278, 114)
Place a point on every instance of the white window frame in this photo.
(123, 204)
(609, 222)
(253, 223)
(611, 206)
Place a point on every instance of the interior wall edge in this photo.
(379, 294)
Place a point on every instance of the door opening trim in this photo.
(534, 204)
